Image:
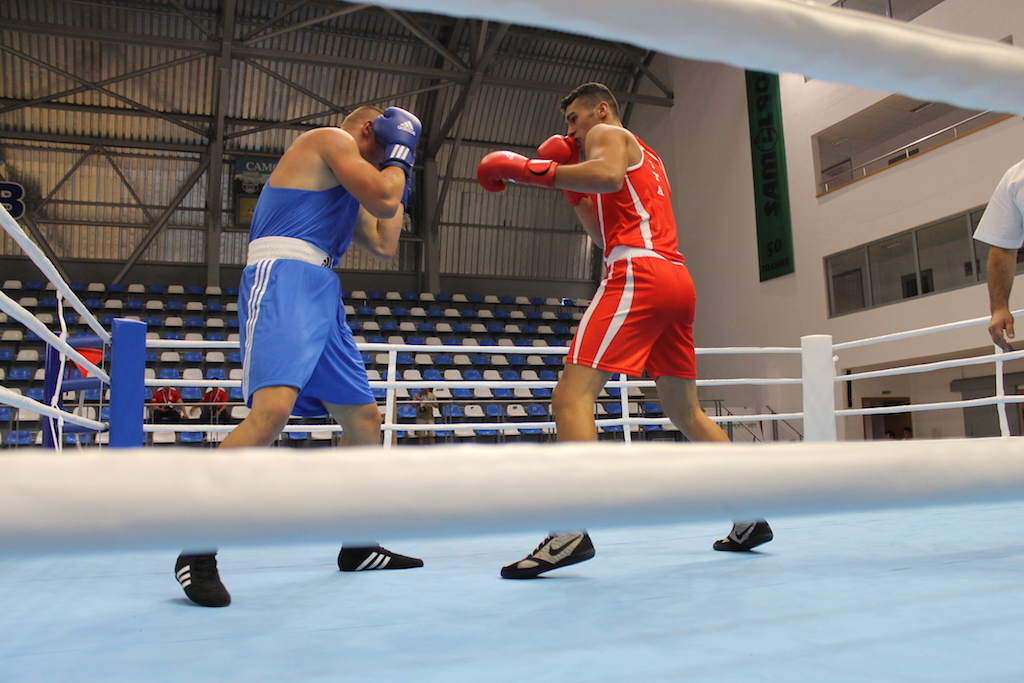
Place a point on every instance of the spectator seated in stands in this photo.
(214, 406)
(167, 405)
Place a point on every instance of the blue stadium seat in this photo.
(443, 297)
(235, 357)
(235, 394)
(196, 322)
(6, 354)
(541, 392)
(501, 315)
(19, 437)
(20, 375)
(377, 339)
(407, 412)
(473, 375)
(451, 410)
(233, 323)
(353, 325)
(154, 321)
(652, 408)
(415, 340)
(425, 327)
(462, 392)
(195, 290)
(510, 376)
(172, 336)
(93, 395)
(460, 328)
(400, 311)
(475, 299)
(215, 306)
(216, 336)
(375, 295)
(231, 291)
(48, 302)
(364, 310)
(494, 410)
(5, 414)
(517, 359)
(94, 303)
(435, 313)
(442, 359)
(553, 360)
(481, 359)
(117, 287)
(614, 409)
(410, 296)
(503, 392)
(36, 394)
(536, 410)
(190, 437)
(451, 341)
(403, 358)
(432, 375)
(216, 373)
(191, 393)
(495, 328)
(169, 373)
(192, 357)
(151, 356)
(468, 313)
(134, 305)
(156, 289)
(537, 301)
(174, 306)
(389, 326)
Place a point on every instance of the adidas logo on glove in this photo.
(407, 127)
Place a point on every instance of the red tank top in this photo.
(640, 213)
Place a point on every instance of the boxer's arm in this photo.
(378, 237)
(605, 168)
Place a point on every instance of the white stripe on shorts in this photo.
(621, 311)
(259, 287)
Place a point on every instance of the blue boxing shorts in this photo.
(293, 333)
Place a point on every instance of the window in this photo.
(932, 258)
(902, 10)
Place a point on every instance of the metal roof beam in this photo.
(186, 187)
(409, 23)
(304, 24)
(97, 88)
(107, 81)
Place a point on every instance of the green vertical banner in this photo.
(771, 185)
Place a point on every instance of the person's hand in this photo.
(398, 132)
(498, 168)
(1001, 328)
(564, 150)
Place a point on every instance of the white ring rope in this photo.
(920, 332)
(187, 498)
(783, 36)
(44, 264)
(17, 311)
(16, 400)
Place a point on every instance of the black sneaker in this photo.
(745, 536)
(557, 550)
(198, 575)
(374, 557)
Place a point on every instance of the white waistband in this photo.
(623, 252)
(269, 248)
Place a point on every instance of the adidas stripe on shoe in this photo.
(557, 550)
(375, 557)
(200, 579)
(745, 536)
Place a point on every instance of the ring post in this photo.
(127, 383)
(819, 375)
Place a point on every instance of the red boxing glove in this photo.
(498, 168)
(564, 150)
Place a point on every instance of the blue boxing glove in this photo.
(398, 132)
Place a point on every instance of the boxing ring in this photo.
(892, 561)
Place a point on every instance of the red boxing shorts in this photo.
(641, 318)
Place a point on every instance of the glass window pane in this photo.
(944, 252)
(981, 249)
(905, 10)
(846, 274)
(873, 6)
(893, 271)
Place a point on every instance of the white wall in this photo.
(704, 141)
